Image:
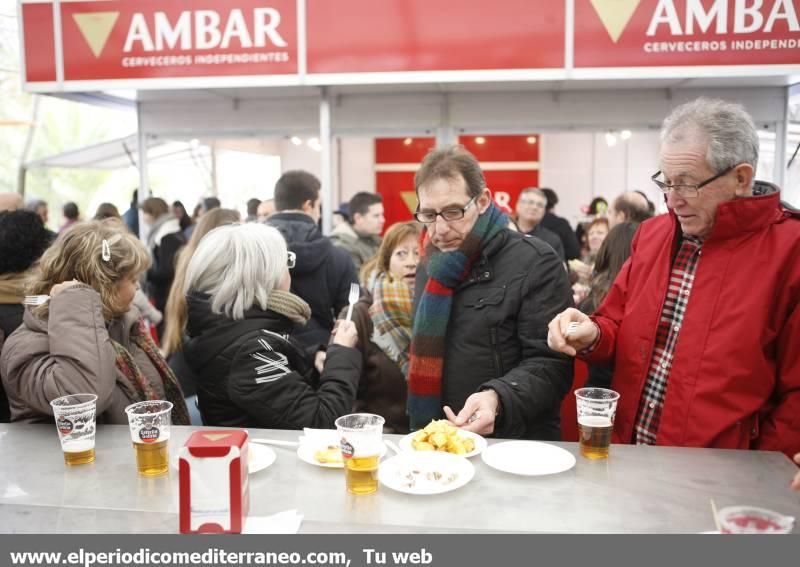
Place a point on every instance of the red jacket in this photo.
(735, 378)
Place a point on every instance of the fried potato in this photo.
(442, 436)
(332, 454)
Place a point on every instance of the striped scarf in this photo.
(391, 317)
(446, 270)
(138, 381)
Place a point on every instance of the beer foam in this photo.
(594, 421)
(77, 445)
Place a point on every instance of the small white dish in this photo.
(259, 457)
(306, 453)
(480, 443)
(528, 458)
(425, 472)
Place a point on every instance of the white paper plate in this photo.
(306, 454)
(480, 443)
(411, 472)
(530, 458)
(259, 457)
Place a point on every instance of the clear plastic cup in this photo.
(752, 520)
(361, 439)
(150, 423)
(75, 420)
(596, 410)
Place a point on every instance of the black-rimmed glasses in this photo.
(449, 215)
(687, 189)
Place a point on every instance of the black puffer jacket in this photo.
(322, 275)
(10, 319)
(497, 335)
(250, 374)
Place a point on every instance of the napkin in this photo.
(319, 438)
(287, 522)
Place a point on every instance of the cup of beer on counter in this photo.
(361, 441)
(150, 422)
(75, 421)
(596, 410)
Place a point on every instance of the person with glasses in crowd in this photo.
(250, 372)
(483, 297)
(702, 323)
(531, 206)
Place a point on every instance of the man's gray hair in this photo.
(728, 128)
(534, 191)
(238, 266)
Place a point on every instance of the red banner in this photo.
(151, 38)
(357, 36)
(39, 42)
(663, 33)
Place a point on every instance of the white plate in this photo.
(259, 457)
(306, 453)
(480, 443)
(529, 458)
(394, 472)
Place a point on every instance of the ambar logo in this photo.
(95, 28)
(615, 15)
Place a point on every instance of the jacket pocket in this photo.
(488, 297)
(497, 359)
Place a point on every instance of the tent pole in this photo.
(144, 186)
(326, 171)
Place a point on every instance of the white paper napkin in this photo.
(287, 522)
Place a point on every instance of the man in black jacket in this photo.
(498, 373)
(559, 225)
(323, 273)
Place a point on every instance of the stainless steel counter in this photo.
(638, 489)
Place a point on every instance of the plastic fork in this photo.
(355, 292)
(571, 328)
(35, 299)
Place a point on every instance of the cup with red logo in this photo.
(75, 421)
(149, 423)
(752, 520)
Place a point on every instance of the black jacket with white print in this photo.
(251, 374)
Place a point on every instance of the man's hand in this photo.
(796, 481)
(478, 413)
(583, 336)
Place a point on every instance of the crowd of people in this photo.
(466, 313)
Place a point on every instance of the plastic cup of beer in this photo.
(752, 520)
(361, 440)
(596, 410)
(149, 423)
(75, 421)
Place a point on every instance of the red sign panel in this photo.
(135, 39)
(357, 36)
(396, 163)
(39, 42)
(661, 33)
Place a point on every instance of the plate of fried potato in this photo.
(445, 437)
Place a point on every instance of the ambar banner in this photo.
(661, 33)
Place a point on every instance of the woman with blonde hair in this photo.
(250, 372)
(87, 338)
(383, 319)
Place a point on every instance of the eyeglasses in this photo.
(291, 260)
(449, 215)
(533, 203)
(687, 189)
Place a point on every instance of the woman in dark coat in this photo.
(240, 313)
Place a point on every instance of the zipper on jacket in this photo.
(498, 363)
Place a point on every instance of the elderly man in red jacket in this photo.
(702, 323)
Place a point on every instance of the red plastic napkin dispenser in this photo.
(214, 492)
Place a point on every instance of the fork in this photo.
(571, 328)
(35, 299)
(355, 291)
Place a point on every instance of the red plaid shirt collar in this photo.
(679, 289)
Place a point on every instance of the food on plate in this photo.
(330, 455)
(424, 478)
(441, 435)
